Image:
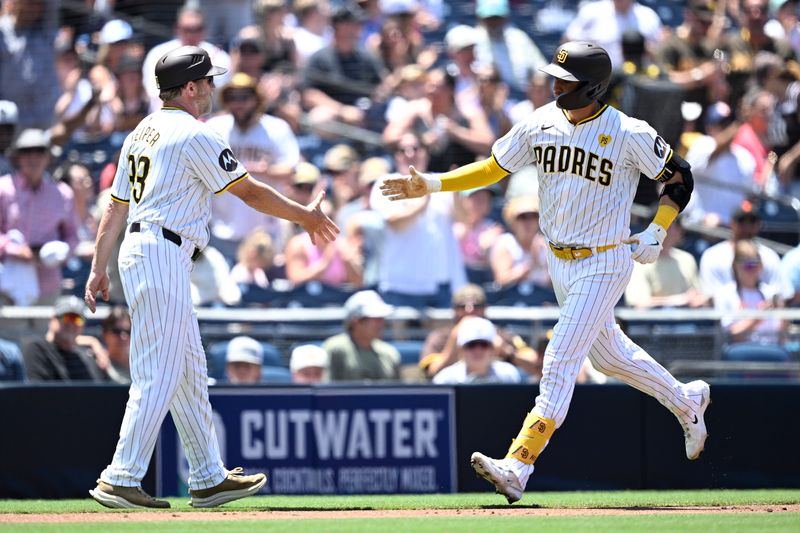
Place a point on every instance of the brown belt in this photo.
(570, 254)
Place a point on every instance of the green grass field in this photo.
(476, 514)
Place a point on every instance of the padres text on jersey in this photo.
(588, 171)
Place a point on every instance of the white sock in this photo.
(522, 470)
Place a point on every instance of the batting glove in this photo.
(646, 246)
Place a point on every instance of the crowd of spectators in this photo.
(336, 96)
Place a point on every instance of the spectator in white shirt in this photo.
(603, 22)
(478, 364)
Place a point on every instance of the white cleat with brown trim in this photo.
(499, 474)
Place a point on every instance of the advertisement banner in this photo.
(327, 440)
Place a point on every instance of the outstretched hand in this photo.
(318, 224)
(414, 185)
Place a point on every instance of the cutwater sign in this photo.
(328, 440)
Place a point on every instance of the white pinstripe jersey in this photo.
(168, 168)
(588, 172)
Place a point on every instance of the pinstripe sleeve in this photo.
(213, 160)
(647, 151)
(513, 150)
(121, 186)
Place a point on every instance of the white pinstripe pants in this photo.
(167, 361)
(587, 290)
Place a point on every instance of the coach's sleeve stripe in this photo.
(231, 184)
(499, 165)
(120, 200)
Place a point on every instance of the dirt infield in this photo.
(150, 516)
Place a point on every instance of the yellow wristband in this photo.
(665, 216)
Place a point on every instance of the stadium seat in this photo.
(275, 374)
(216, 352)
(316, 294)
(12, 366)
(409, 351)
(74, 274)
(751, 351)
(756, 353)
(521, 294)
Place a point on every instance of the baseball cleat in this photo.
(233, 487)
(694, 430)
(116, 497)
(498, 474)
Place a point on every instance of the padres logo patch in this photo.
(227, 160)
(604, 139)
(562, 56)
(660, 147)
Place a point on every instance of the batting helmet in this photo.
(583, 62)
(184, 64)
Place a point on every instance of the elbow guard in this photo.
(680, 193)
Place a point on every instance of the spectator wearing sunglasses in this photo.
(441, 345)
(521, 254)
(116, 334)
(478, 362)
(57, 356)
(750, 290)
(715, 263)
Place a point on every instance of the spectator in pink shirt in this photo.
(757, 109)
(40, 209)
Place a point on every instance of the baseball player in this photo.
(168, 169)
(589, 157)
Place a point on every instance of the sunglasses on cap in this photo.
(482, 344)
(530, 215)
(72, 318)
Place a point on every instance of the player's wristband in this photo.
(433, 183)
(665, 216)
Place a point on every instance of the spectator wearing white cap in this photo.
(309, 364)
(9, 118)
(460, 43)
(115, 41)
(359, 353)
(478, 364)
(504, 45)
(243, 361)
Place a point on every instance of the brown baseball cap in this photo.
(471, 294)
(305, 173)
(340, 158)
(372, 169)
